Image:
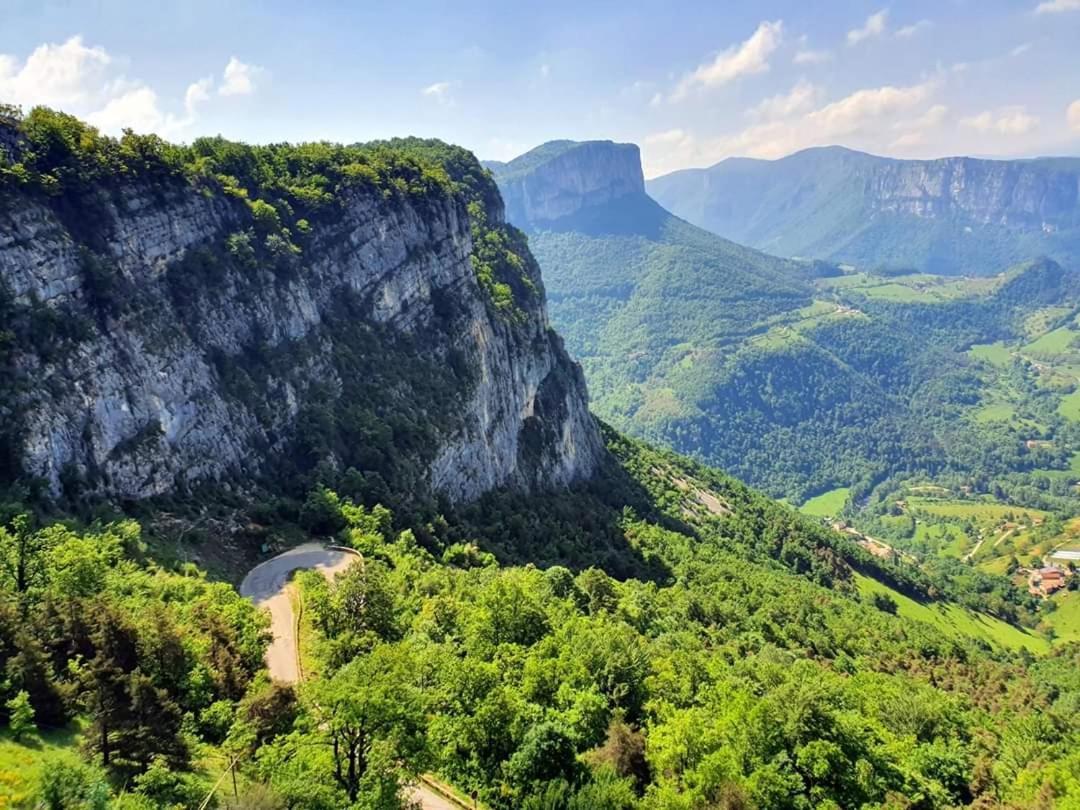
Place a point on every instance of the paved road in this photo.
(265, 586)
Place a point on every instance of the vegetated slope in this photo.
(951, 215)
(219, 313)
(710, 647)
(537, 686)
(796, 377)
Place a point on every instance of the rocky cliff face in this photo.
(150, 349)
(951, 215)
(559, 179)
(1017, 194)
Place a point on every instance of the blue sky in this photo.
(691, 83)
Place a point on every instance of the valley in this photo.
(351, 346)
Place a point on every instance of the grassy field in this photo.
(21, 762)
(918, 287)
(1069, 407)
(974, 510)
(997, 354)
(995, 412)
(957, 621)
(1066, 618)
(1056, 342)
(827, 504)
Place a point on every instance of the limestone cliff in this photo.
(560, 178)
(950, 215)
(149, 343)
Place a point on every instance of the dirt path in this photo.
(265, 585)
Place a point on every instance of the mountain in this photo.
(171, 326)
(956, 216)
(796, 376)
(256, 350)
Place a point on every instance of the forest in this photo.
(739, 667)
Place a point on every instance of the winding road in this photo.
(266, 586)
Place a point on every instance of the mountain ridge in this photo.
(207, 326)
(956, 215)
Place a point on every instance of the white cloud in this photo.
(238, 79)
(914, 28)
(873, 27)
(1010, 121)
(851, 113)
(64, 75)
(84, 80)
(1057, 6)
(442, 92)
(916, 132)
(801, 98)
(934, 117)
(747, 58)
(135, 109)
(196, 94)
(1020, 49)
(1072, 115)
(808, 57)
(545, 70)
(854, 119)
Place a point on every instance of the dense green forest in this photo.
(740, 667)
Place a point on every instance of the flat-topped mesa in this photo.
(560, 178)
(161, 332)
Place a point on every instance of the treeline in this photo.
(151, 665)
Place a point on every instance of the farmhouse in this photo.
(1046, 581)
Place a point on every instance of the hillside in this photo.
(802, 377)
(954, 216)
(549, 615)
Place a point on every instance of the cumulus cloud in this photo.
(239, 78)
(913, 29)
(1010, 121)
(859, 114)
(1057, 6)
(137, 109)
(1072, 116)
(747, 58)
(57, 75)
(873, 27)
(197, 93)
(851, 113)
(84, 80)
(915, 132)
(801, 98)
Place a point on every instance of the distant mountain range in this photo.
(952, 216)
(795, 375)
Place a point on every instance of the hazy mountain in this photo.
(953, 215)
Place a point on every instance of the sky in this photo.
(691, 83)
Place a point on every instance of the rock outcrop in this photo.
(150, 351)
(560, 178)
